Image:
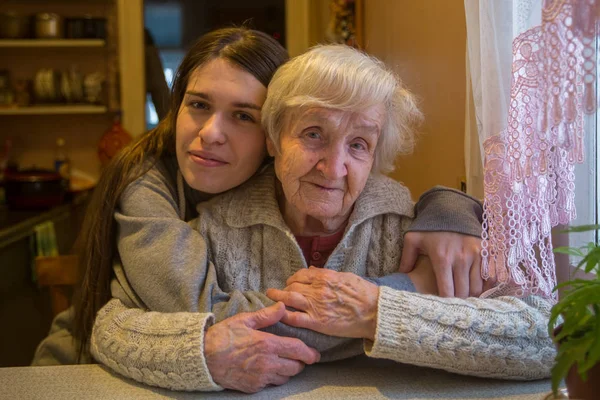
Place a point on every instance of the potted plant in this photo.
(575, 325)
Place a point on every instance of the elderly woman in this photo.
(335, 120)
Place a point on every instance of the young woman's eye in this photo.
(199, 105)
(242, 116)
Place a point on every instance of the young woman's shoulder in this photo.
(157, 174)
(153, 193)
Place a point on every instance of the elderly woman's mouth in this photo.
(206, 159)
(327, 188)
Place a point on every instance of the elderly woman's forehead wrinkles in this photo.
(320, 113)
(321, 117)
(367, 130)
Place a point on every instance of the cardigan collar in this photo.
(255, 202)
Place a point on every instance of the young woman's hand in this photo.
(423, 276)
(334, 303)
(456, 261)
(241, 357)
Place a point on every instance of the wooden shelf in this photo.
(54, 110)
(52, 43)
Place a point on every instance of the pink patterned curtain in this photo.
(529, 166)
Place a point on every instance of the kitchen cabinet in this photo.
(28, 55)
(119, 58)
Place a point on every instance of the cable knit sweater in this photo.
(246, 237)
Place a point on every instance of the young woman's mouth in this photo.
(206, 159)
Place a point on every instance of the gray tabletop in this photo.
(359, 378)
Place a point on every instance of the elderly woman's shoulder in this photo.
(384, 195)
(379, 183)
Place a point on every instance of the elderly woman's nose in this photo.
(333, 165)
(212, 130)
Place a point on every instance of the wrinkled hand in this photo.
(241, 357)
(334, 303)
(456, 261)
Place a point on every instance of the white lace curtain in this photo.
(532, 65)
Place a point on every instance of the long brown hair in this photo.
(254, 52)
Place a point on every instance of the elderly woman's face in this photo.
(325, 158)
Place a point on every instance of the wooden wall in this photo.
(425, 42)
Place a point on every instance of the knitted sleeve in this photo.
(504, 337)
(158, 349)
(447, 210)
(226, 304)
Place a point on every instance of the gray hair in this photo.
(342, 78)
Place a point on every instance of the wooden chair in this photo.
(59, 274)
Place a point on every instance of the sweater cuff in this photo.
(390, 326)
(443, 209)
(159, 349)
(211, 385)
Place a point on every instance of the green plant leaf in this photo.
(574, 328)
(575, 308)
(590, 246)
(559, 370)
(582, 292)
(579, 310)
(593, 354)
(572, 251)
(580, 228)
(563, 362)
(579, 307)
(592, 259)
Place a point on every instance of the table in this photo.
(358, 378)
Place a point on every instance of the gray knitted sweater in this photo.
(252, 249)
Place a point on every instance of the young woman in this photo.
(210, 142)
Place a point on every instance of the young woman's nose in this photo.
(212, 131)
(333, 164)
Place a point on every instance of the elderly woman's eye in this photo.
(313, 135)
(358, 146)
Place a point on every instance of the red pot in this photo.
(34, 189)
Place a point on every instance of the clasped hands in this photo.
(344, 304)
(241, 357)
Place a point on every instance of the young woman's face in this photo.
(219, 139)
